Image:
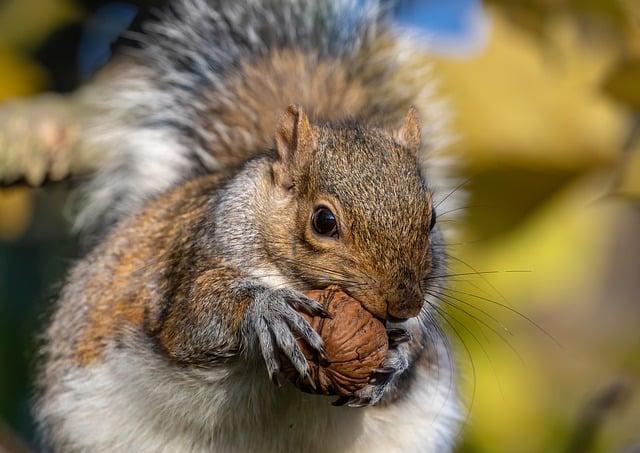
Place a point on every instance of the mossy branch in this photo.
(40, 140)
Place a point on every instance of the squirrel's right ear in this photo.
(294, 143)
(409, 135)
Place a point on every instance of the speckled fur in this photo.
(157, 343)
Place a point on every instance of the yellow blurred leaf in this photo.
(19, 76)
(633, 14)
(509, 405)
(554, 260)
(623, 84)
(533, 104)
(572, 221)
(630, 181)
(533, 15)
(25, 23)
(15, 212)
(502, 197)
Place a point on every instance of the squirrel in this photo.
(254, 151)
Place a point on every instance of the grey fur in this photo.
(190, 49)
(148, 120)
(147, 113)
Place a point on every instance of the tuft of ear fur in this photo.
(410, 135)
(295, 142)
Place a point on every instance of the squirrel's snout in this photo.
(405, 301)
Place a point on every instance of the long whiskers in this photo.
(454, 190)
(474, 373)
(445, 299)
(504, 306)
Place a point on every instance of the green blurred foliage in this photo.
(548, 118)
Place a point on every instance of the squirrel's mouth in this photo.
(391, 318)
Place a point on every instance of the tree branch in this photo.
(40, 140)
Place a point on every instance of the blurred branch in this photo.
(594, 414)
(40, 140)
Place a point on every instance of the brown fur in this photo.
(152, 277)
(124, 292)
(200, 271)
(373, 184)
(325, 88)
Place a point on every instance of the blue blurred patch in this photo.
(447, 24)
(100, 31)
(447, 18)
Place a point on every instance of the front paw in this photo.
(383, 379)
(273, 318)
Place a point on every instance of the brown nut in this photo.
(356, 344)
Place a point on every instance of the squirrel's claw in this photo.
(310, 306)
(341, 401)
(381, 376)
(266, 345)
(398, 336)
(356, 401)
(382, 380)
(275, 378)
(274, 319)
(351, 401)
(289, 346)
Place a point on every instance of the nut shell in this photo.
(356, 344)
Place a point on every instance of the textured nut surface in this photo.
(356, 344)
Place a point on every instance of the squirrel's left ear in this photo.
(294, 143)
(409, 135)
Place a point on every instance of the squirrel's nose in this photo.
(405, 302)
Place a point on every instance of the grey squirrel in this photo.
(254, 150)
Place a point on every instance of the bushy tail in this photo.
(211, 77)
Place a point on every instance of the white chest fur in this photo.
(129, 403)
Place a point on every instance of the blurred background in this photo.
(545, 305)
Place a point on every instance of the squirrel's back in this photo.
(205, 87)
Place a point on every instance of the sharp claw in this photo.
(341, 401)
(384, 370)
(276, 379)
(313, 307)
(324, 357)
(307, 379)
(398, 336)
(381, 376)
(318, 310)
(379, 380)
(355, 401)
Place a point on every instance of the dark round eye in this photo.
(433, 219)
(324, 222)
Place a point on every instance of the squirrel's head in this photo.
(354, 210)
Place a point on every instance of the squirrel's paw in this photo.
(274, 318)
(382, 379)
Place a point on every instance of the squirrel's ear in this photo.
(409, 135)
(294, 142)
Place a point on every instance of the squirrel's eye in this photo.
(324, 222)
(433, 219)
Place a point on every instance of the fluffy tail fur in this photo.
(205, 87)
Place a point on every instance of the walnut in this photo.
(356, 344)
